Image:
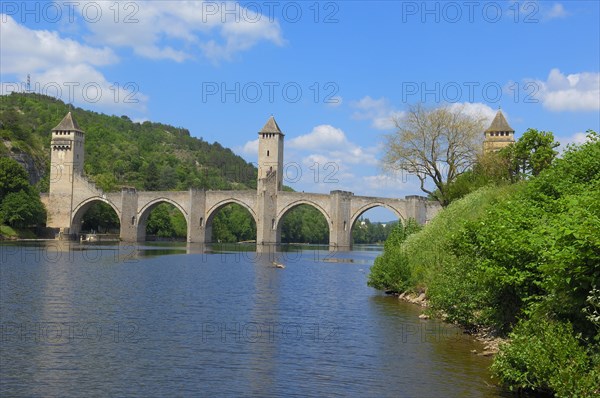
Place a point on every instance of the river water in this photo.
(174, 320)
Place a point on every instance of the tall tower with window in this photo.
(66, 163)
(498, 135)
(270, 155)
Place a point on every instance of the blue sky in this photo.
(333, 74)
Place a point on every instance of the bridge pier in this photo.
(266, 228)
(129, 217)
(196, 226)
(340, 230)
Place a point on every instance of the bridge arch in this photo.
(215, 208)
(372, 205)
(277, 223)
(144, 213)
(84, 206)
(296, 203)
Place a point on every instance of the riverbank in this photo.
(10, 233)
(521, 261)
(485, 335)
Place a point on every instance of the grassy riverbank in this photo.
(10, 233)
(523, 260)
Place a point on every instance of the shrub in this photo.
(545, 355)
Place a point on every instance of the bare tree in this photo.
(437, 144)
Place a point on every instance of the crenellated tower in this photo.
(270, 180)
(270, 156)
(66, 163)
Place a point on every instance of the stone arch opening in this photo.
(303, 222)
(96, 215)
(162, 219)
(373, 223)
(230, 221)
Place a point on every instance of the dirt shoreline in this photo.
(486, 336)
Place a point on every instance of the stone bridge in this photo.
(71, 195)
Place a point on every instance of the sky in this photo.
(334, 74)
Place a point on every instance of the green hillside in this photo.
(119, 152)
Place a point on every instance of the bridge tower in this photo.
(270, 180)
(270, 154)
(66, 163)
(498, 135)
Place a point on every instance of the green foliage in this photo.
(364, 231)
(15, 233)
(545, 355)
(22, 209)
(119, 152)
(532, 153)
(391, 270)
(304, 224)
(529, 156)
(20, 204)
(526, 254)
(166, 221)
(233, 223)
(490, 169)
(13, 177)
(101, 218)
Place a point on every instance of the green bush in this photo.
(546, 355)
(391, 270)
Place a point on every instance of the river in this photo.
(175, 320)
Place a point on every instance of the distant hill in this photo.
(119, 152)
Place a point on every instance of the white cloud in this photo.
(62, 68)
(574, 92)
(84, 86)
(379, 111)
(576, 139)
(476, 110)
(556, 11)
(321, 137)
(250, 148)
(174, 29)
(24, 50)
(331, 143)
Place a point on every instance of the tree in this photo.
(151, 182)
(100, 217)
(531, 154)
(490, 169)
(22, 209)
(13, 177)
(437, 144)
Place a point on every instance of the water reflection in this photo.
(157, 318)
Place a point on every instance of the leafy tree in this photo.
(22, 209)
(434, 144)
(167, 179)
(13, 177)
(152, 182)
(159, 222)
(304, 224)
(100, 217)
(490, 169)
(364, 231)
(232, 224)
(532, 153)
